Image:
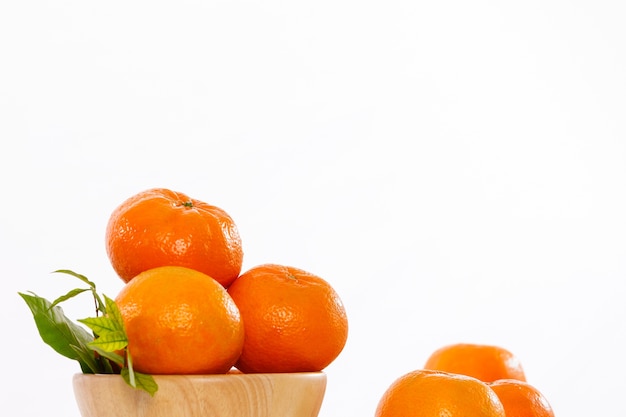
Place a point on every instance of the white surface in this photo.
(457, 170)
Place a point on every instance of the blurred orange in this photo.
(427, 393)
(521, 399)
(485, 362)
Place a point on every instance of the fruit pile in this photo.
(186, 307)
(465, 380)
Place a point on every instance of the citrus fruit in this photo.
(294, 320)
(180, 321)
(485, 362)
(427, 393)
(160, 227)
(521, 399)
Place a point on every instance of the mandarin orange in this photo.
(485, 362)
(180, 321)
(427, 393)
(160, 227)
(294, 320)
(521, 399)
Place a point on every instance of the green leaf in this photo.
(113, 312)
(73, 293)
(99, 303)
(113, 356)
(107, 367)
(56, 329)
(87, 360)
(110, 341)
(79, 276)
(99, 355)
(101, 325)
(92, 286)
(141, 381)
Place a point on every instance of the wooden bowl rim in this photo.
(205, 377)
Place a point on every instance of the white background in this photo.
(455, 169)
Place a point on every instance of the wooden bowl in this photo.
(229, 395)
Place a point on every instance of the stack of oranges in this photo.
(188, 309)
(465, 380)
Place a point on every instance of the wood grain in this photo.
(229, 395)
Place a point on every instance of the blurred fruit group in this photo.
(294, 320)
(180, 321)
(521, 399)
(427, 393)
(160, 227)
(485, 362)
(465, 380)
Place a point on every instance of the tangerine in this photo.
(485, 362)
(294, 320)
(428, 393)
(159, 227)
(521, 399)
(180, 321)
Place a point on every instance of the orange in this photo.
(294, 320)
(521, 399)
(426, 393)
(180, 321)
(160, 227)
(485, 362)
